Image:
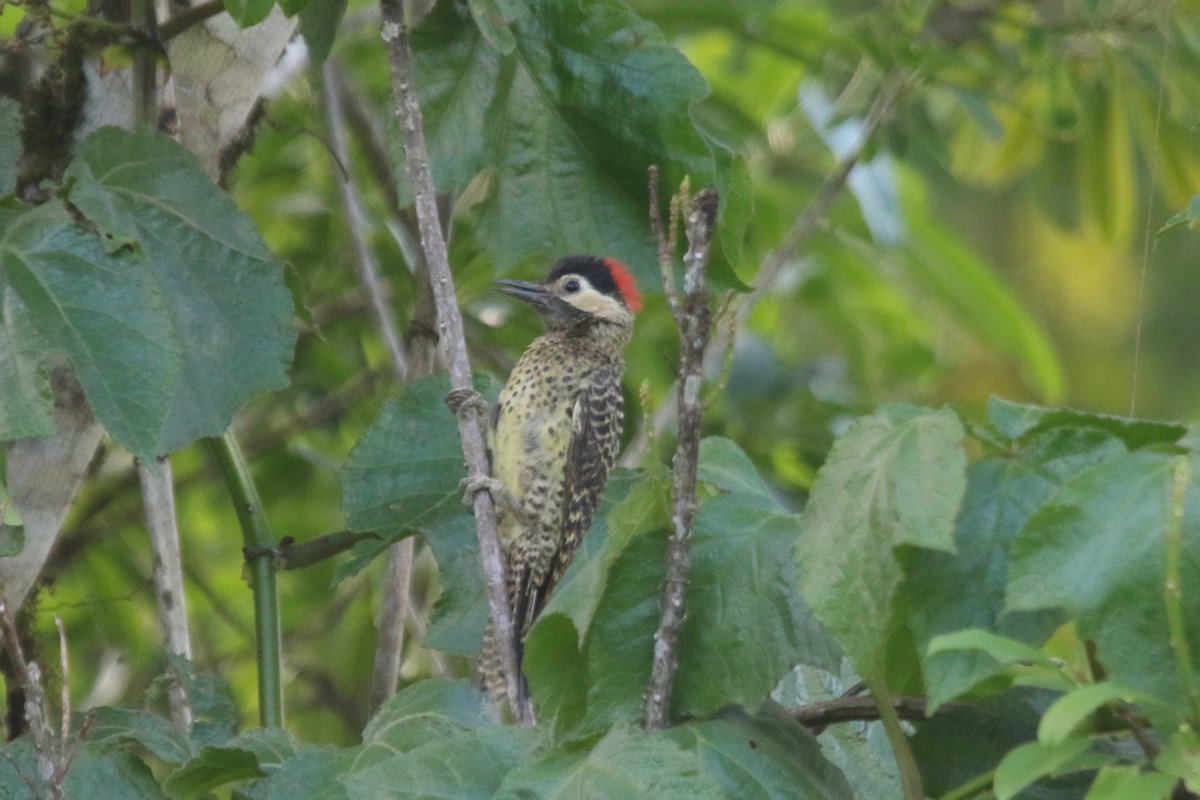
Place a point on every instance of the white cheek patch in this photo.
(597, 304)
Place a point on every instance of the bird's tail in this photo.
(491, 668)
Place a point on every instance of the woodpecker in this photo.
(555, 431)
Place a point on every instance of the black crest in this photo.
(592, 268)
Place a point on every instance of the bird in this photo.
(554, 433)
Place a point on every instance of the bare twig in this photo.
(666, 247)
(51, 751)
(806, 224)
(397, 586)
(158, 500)
(695, 321)
(817, 716)
(65, 668)
(450, 332)
(367, 265)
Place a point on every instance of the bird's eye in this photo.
(572, 285)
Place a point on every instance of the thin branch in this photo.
(450, 332)
(820, 715)
(397, 587)
(666, 247)
(158, 500)
(695, 322)
(50, 750)
(806, 224)
(356, 218)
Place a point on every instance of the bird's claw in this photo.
(472, 486)
(463, 400)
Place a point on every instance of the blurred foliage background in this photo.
(1000, 237)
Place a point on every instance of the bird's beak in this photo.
(534, 293)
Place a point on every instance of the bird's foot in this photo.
(461, 401)
(486, 483)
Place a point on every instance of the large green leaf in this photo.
(762, 759)
(465, 766)
(949, 592)
(1017, 421)
(894, 478)
(741, 589)
(566, 124)
(26, 403)
(404, 472)
(178, 324)
(746, 625)
(104, 312)
(1097, 548)
(627, 764)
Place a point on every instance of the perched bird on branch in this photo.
(555, 432)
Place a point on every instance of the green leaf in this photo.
(999, 648)
(627, 764)
(293, 7)
(404, 472)
(494, 18)
(466, 766)
(104, 312)
(211, 768)
(967, 740)
(1028, 763)
(1063, 718)
(1180, 757)
(1016, 421)
(248, 12)
(762, 759)
(1129, 783)
(123, 725)
(727, 467)
(10, 143)
(861, 751)
(214, 714)
(26, 402)
(112, 776)
(742, 589)
(312, 773)
(193, 317)
(566, 124)
(429, 709)
(894, 478)
(1189, 216)
(319, 24)
(1096, 549)
(949, 592)
(460, 612)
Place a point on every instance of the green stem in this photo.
(1173, 588)
(910, 776)
(259, 546)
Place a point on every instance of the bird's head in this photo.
(581, 290)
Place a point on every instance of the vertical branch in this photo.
(51, 751)
(451, 338)
(158, 500)
(260, 549)
(389, 651)
(694, 323)
(802, 229)
(666, 245)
